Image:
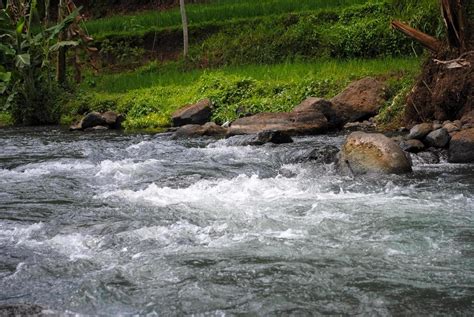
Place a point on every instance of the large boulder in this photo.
(292, 123)
(362, 99)
(364, 153)
(461, 147)
(320, 105)
(196, 130)
(99, 121)
(198, 113)
(412, 145)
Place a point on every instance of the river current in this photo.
(117, 224)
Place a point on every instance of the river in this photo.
(112, 223)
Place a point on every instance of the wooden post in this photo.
(184, 20)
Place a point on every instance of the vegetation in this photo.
(247, 56)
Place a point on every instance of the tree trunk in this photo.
(184, 20)
(61, 62)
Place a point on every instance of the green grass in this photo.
(150, 95)
(216, 11)
(173, 75)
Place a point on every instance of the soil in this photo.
(442, 93)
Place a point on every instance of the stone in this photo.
(420, 131)
(468, 118)
(359, 126)
(437, 126)
(261, 138)
(368, 153)
(458, 123)
(320, 105)
(22, 310)
(412, 145)
(362, 99)
(438, 138)
(450, 127)
(461, 147)
(292, 123)
(196, 130)
(91, 120)
(426, 157)
(324, 154)
(198, 113)
(113, 119)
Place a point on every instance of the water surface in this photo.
(112, 224)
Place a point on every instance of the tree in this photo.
(184, 20)
(445, 88)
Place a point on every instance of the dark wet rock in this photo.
(412, 145)
(292, 123)
(114, 120)
(420, 131)
(364, 153)
(426, 157)
(91, 120)
(437, 138)
(21, 310)
(323, 154)
(198, 113)
(362, 99)
(196, 130)
(275, 137)
(461, 147)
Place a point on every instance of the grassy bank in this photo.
(151, 94)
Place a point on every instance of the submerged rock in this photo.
(22, 310)
(461, 147)
(364, 153)
(198, 113)
(275, 137)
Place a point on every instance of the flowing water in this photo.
(108, 223)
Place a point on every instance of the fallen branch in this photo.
(428, 41)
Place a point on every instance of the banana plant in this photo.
(26, 47)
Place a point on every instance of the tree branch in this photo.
(428, 41)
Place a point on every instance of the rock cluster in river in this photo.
(99, 121)
(360, 100)
(457, 137)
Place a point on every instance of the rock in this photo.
(292, 123)
(360, 100)
(359, 126)
(275, 137)
(412, 145)
(450, 127)
(458, 123)
(438, 138)
(420, 131)
(364, 153)
(113, 119)
(196, 130)
(461, 147)
(21, 310)
(325, 154)
(75, 127)
(320, 105)
(198, 113)
(91, 120)
(426, 157)
(468, 118)
(437, 126)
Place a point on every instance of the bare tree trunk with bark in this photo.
(184, 20)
